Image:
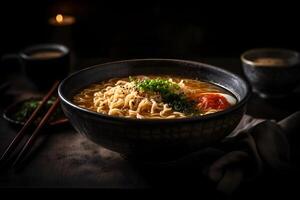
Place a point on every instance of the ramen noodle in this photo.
(154, 97)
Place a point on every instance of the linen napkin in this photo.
(255, 146)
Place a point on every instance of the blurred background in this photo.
(149, 29)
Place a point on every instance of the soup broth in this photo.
(266, 61)
(46, 54)
(154, 97)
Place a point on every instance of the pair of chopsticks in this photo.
(4, 160)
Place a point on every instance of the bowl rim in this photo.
(254, 50)
(235, 107)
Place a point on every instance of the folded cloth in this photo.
(255, 146)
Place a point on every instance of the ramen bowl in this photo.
(153, 139)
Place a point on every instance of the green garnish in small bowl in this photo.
(20, 112)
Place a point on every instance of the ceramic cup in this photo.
(273, 73)
(44, 63)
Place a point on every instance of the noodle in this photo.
(122, 98)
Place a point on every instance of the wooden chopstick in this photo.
(12, 146)
(32, 138)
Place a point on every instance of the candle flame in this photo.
(59, 18)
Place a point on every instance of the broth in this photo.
(46, 54)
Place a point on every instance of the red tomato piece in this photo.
(212, 101)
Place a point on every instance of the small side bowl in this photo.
(12, 109)
(272, 80)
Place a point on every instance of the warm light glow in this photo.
(62, 20)
(59, 18)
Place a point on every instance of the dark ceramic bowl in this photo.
(9, 114)
(272, 80)
(44, 71)
(153, 140)
(40, 65)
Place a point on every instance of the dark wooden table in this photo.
(113, 171)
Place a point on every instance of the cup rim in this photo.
(47, 46)
(293, 53)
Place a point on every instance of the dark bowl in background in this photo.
(272, 81)
(153, 140)
(43, 72)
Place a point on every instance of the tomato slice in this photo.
(212, 101)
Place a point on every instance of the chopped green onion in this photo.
(170, 93)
